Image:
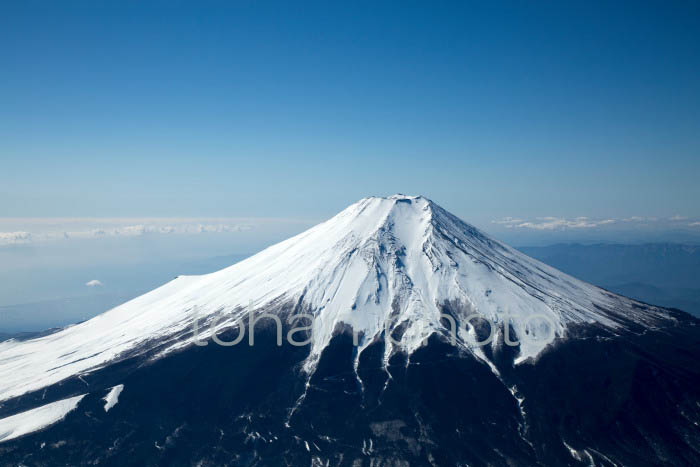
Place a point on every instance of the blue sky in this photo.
(141, 140)
(291, 109)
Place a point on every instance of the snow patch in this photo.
(36, 419)
(112, 397)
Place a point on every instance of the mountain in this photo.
(664, 264)
(391, 334)
(682, 298)
(661, 273)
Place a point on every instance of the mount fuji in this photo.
(425, 342)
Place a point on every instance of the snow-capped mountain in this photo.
(399, 297)
(379, 264)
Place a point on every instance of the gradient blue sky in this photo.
(297, 109)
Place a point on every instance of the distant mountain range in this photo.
(660, 273)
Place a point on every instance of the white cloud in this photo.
(508, 221)
(146, 229)
(43, 230)
(582, 222)
(94, 283)
(641, 219)
(14, 238)
(553, 223)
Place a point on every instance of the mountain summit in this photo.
(428, 342)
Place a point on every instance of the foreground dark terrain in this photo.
(598, 399)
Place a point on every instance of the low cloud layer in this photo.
(562, 223)
(141, 229)
(47, 229)
(93, 283)
(14, 238)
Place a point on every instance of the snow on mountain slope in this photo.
(382, 262)
(36, 419)
(112, 397)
